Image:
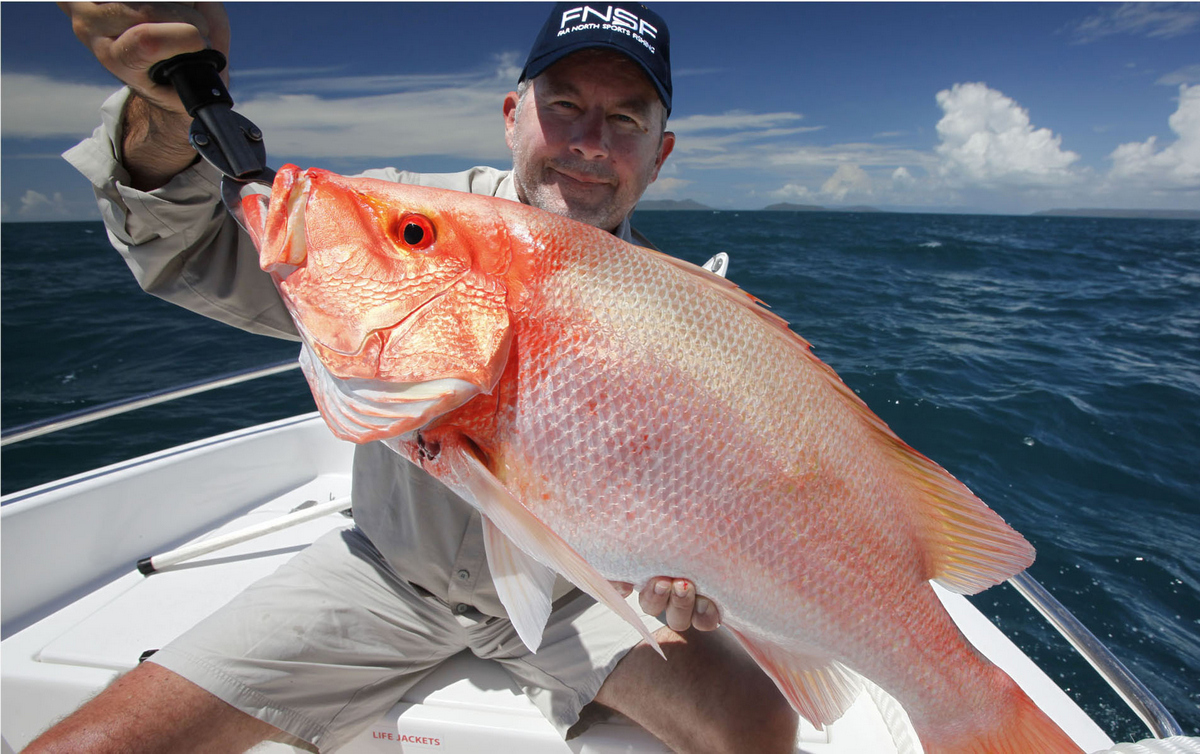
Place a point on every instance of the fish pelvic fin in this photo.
(525, 586)
(820, 689)
(1022, 729)
(457, 466)
(968, 546)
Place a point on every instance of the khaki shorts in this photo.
(329, 643)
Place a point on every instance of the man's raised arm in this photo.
(161, 204)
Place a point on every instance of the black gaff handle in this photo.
(224, 138)
(196, 77)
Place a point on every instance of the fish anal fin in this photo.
(457, 466)
(525, 586)
(820, 689)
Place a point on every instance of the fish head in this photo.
(394, 292)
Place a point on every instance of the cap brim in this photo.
(538, 66)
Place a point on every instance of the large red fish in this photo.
(619, 415)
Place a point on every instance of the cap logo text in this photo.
(585, 17)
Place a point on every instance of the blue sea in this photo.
(1052, 364)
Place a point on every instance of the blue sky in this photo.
(991, 107)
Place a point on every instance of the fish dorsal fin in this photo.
(525, 586)
(476, 484)
(820, 689)
(969, 547)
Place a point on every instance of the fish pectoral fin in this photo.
(525, 586)
(476, 484)
(819, 688)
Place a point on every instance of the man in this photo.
(316, 652)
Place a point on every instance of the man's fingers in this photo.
(92, 21)
(129, 38)
(624, 587)
(144, 45)
(683, 608)
(680, 605)
(706, 617)
(217, 25)
(653, 598)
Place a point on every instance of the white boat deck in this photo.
(76, 613)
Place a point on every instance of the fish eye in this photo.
(413, 234)
(414, 231)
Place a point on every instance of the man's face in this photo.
(587, 138)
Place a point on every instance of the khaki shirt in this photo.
(182, 246)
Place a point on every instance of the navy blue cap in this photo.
(629, 28)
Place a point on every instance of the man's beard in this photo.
(543, 193)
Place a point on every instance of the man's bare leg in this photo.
(709, 696)
(151, 709)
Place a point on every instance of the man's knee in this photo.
(151, 708)
(749, 713)
(709, 696)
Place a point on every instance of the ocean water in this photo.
(1052, 364)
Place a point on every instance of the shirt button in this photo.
(463, 575)
(461, 608)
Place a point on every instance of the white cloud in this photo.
(731, 139)
(901, 178)
(37, 206)
(847, 180)
(1189, 74)
(1175, 166)
(1160, 20)
(455, 114)
(732, 121)
(665, 187)
(793, 191)
(851, 153)
(37, 106)
(457, 122)
(987, 141)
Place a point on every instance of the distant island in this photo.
(653, 205)
(789, 207)
(1142, 214)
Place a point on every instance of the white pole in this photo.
(196, 549)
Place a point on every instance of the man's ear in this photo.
(511, 100)
(668, 144)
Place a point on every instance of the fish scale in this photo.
(617, 415)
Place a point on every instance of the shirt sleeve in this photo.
(178, 240)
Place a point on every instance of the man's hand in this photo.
(127, 39)
(678, 597)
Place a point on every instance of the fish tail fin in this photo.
(968, 546)
(1023, 728)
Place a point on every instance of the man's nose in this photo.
(589, 138)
